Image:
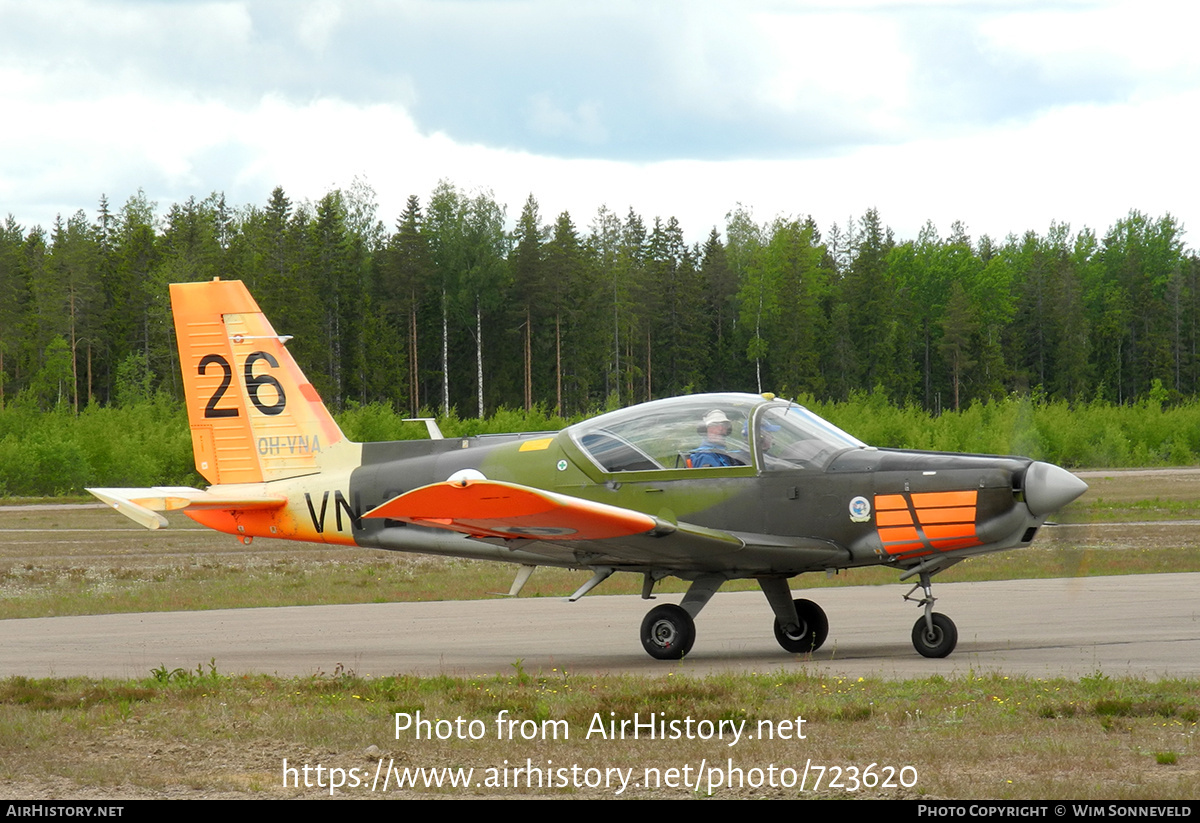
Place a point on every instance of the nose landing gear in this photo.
(934, 634)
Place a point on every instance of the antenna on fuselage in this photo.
(430, 425)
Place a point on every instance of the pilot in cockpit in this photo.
(713, 451)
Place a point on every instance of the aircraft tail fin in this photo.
(253, 414)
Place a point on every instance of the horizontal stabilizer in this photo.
(142, 505)
(489, 508)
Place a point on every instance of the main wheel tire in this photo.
(814, 628)
(941, 642)
(668, 632)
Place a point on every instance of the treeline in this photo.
(447, 309)
(147, 443)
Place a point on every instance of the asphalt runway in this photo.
(1141, 625)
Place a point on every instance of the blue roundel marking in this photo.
(860, 510)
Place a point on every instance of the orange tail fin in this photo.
(253, 415)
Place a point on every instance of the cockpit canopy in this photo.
(749, 431)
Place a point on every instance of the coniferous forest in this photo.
(442, 307)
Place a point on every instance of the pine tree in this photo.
(958, 327)
(404, 279)
(525, 265)
(567, 296)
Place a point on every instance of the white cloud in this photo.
(1002, 116)
(584, 124)
(317, 23)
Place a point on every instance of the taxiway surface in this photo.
(1140, 625)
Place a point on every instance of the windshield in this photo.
(791, 436)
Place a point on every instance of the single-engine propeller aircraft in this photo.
(707, 488)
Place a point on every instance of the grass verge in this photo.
(202, 734)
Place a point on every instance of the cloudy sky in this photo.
(1003, 114)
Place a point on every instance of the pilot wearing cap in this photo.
(713, 450)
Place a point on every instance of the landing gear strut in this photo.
(934, 634)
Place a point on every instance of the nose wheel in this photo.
(937, 641)
(934, 634)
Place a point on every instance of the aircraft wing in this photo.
(490, 508)
(142, 505)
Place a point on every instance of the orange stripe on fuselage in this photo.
(942, 500)
(957, 515)
(888, 502)
(946, 521)
(903, 517)
(900, 535)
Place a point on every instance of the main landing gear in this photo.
(809, 632)
(669, 631)
(801, 626)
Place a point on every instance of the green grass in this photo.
(1099, 510)
(981, 735)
